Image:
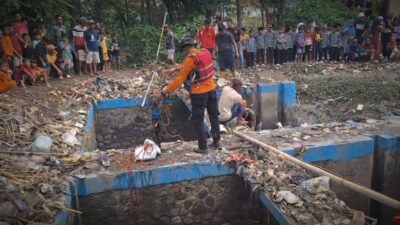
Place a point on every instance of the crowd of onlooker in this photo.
(36, 54)
(360, 39)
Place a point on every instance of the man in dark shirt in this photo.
(40, 54)
(226, 49)
(92, 38)
(361, 25)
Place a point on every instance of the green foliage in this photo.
(140, 43)
(320, 11)
(36, 11)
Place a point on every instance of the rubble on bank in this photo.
(41, 137)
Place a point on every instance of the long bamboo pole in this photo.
(158, 52)
(341, 181)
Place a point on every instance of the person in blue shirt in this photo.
(260, 45)
(348, 33)
(250, 44)
(301, 45)
(356, 51)
(92, 39)
(58, 30)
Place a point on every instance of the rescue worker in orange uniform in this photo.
(198, 70)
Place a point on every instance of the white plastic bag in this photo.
(148, 151)
(69, 137)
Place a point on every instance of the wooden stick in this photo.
(161, 36)
(158, 52)
(148, 88)
(339, 180)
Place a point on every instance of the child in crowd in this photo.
(369, 48)
(324, 44)
(251, 49)
(270, 45)
(28, 74)
(289, 45)
(40, 54)
(294, 41)
(115, 52)
(301, 46)
(281, 47)
(66, 49)
(390, 46)
(6, 45)
(318, 40)
(54, 65)
(27, 48)
(104, 51)
(36, 39)
(309, 42)
(6, 83)
(395, 53)
(260, 45)
(335, 44)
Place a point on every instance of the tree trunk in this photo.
(239, 14)
(262, 12)
(149, 17)
(142, 19)
(281, 7)
(127, 12)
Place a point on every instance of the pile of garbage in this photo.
(41, 145)
(304, 199)
(333, 131)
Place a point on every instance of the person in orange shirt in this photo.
(206, 36)
(197, 70)
(5, 78)
(7, 46)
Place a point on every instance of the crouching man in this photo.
(233, 109)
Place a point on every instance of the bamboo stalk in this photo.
(158, 52)
(379, 197)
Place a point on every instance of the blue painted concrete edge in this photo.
(388, 143)
(268, 88)
(128, 102)
(95, 183)
(90, 117)
(287, 95)
(342, 151)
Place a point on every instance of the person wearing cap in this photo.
(198, 69)
(233, 109)
(55, 68)
(226, 49)
(78, 44)
(206, 36)
(169, 44)
(361, 24)
(92, 41)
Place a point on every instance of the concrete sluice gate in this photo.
(204, 192)
(212, 200)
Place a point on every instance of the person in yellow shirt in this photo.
(51, 59)
(104, 51)
(197, 70)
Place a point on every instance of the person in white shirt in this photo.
(232, 107)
